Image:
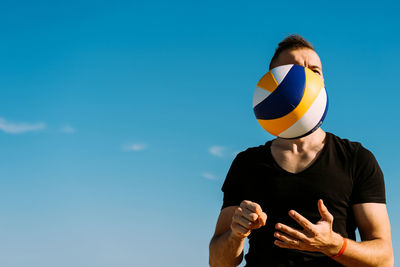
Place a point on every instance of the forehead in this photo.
(304, 57)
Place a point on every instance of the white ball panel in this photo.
(259, 95)
(280, 72)
(310, 119)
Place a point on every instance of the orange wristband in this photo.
(342, 249)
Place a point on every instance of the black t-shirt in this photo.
(345, 173)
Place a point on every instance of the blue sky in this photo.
(119, 120)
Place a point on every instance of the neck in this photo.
(311, 141)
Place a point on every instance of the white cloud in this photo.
(135, 147)
(209, 176)
(20, 127)
(223, 152)
(68, 129)
(218, 151)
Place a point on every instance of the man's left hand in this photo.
(314, 237)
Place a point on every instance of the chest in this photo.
(294, 162)
(278, 190)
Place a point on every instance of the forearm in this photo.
(377, 252)
(226, 250)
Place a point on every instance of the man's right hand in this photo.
(247, 217)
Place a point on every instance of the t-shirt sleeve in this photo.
(369, 185)
(233, 184)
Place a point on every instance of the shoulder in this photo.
(255, 152)
(343, 144)
(351, 148)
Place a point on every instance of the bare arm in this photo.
(225, 248)
(375, 249)
(233, 226)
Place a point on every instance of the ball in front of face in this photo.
(290, 101)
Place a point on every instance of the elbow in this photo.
(216, 258)
(388, 260)
(213, 258)
(212, 263)
(388, 263)
(390, 257)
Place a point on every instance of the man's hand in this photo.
(248, 216)
(314, 237)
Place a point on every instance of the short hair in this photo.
(293, 41)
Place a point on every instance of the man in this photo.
(299, 201)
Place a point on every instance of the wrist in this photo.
(336, 245)
(236, 237)
(342, 249)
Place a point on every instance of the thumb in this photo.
(323, 210)
(262, 218)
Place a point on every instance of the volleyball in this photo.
(290, 101)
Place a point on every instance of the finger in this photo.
(261, 221)
(281, 244)
(239, 230)
(287, 239)
(237, 218)
(249, 215)
(291, 231)
(306, 224)
(262, 218)
(323, 210)
(252, 206)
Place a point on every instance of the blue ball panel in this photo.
(285, 98)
